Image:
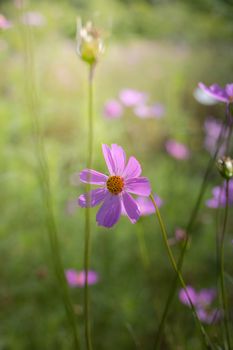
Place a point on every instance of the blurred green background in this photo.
(163, 48)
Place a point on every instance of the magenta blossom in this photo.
(177, 150)
(201, 301)
(220, 94)
(212, 131)
(219, 196)
(77, 278)
(130, 97)
(113, 109)
(114, 190)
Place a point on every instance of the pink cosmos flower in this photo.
(177, 150)
(219, 196)
(77, 278)
(220, 94)
(113, 109)
(130, 97)
(115, 190)
(202, 301)
(4, 23)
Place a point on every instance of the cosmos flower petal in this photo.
(119, 157)
(110, 211)
(93, 177)
(133, 169)
(139, 186)
(95, 197)
(229, 90)
(215, 91)
(109, 159)
(131, 207)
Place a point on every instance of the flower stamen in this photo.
(115, 184)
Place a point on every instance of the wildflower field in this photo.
(116, 175)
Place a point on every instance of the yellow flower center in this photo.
(115, 184)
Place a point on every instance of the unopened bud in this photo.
(89, 42)
(225, 167)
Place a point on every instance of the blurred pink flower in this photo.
(113, 109)
(202, 301)
(177, 150)
(180, 235)
(77, 278)
(219, 196)
(224, 94)
(33, 18)
(131, 98)
(4, 23)
(144, 111)
(212, 130)
(203, 97)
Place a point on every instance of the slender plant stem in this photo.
(87, 213)
(188, 229)
(176, 269)
(223, 295)
(44, 179)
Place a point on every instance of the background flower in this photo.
(113, 109)
(219, 196)
(77, 278)
(177, 150)
(130, 97)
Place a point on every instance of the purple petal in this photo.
(119, 158)
(146, 206)
(133, 169)
(206, 296)
(93, 177)
(229, 91)
(139, 186)
(215, 91)
(110, 211)
(131, 207)
(188, 294)
(94, 197)
(108, 159)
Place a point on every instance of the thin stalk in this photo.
(189, 227)
(221, 272)
(44, 180)
(179, 276)
(87, 213)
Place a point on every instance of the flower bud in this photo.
(89, 42)
(225, 167)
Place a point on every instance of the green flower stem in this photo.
(222, 288)
(87, 213)
(176, 269)
(43, 177)
(188, 229)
